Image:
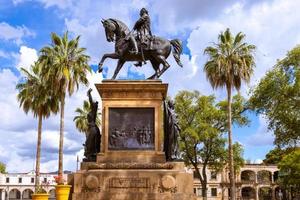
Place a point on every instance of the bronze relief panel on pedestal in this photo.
(131, 129)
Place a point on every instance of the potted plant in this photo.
(62, 190)
(40, 192)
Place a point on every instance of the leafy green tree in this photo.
(2, 168)
(239, 161)
(277, 96)
(80, 119)
(202, 123)
(290, 170)
(275, 155)
(66, 67)
(230, 62)
(34, 96)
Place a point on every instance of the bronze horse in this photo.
(116, 31)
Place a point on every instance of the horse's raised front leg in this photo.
(107, 55)
(155, 66)
(166, 65)
(118, 68)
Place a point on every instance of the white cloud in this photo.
(4, 54)
(176, 16)
(268, 25)
(62, 4)
(27, 57)
(262, 136)
(16, 2)
(92, 37)
(9, 106)
(18, 131)
(16, 34)
(258, 161)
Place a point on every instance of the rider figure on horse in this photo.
(144, 35)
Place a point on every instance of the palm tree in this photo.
(80, 120)
(35, 96)
(230, 62)
(67, 66)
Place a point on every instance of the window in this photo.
(45, 180)
(7, 179)
(213, 175)
(199, 192)
(196, 175)
(213, 192)
(20, 180)
(32, 180)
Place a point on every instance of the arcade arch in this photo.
(248, 193)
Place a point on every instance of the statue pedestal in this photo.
(131, 164)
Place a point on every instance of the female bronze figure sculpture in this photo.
(93, 138)
(171, 131)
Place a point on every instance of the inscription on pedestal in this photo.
(129, 183)
(131, 129)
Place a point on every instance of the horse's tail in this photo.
(177, 50)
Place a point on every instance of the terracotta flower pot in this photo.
(62, 192)
(42, 196)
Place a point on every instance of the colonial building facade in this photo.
(253, 182)
(20, 186)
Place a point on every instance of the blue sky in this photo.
(25, 27)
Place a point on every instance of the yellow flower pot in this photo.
(62, 192)
(43, 196)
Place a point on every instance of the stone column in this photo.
(3, 194)
(256, 193)
(273, 193)
(223, 192)
(239, 193)
(255, 177)
(272, 177)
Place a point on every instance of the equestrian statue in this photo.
(139, 45)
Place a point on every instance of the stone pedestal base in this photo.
(131, 164)
(133, 181)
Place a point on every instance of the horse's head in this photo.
(110, 29)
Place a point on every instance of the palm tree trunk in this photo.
(38, 154)
(230, 149)
(61, 136)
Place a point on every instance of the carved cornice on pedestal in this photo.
(130, 166)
